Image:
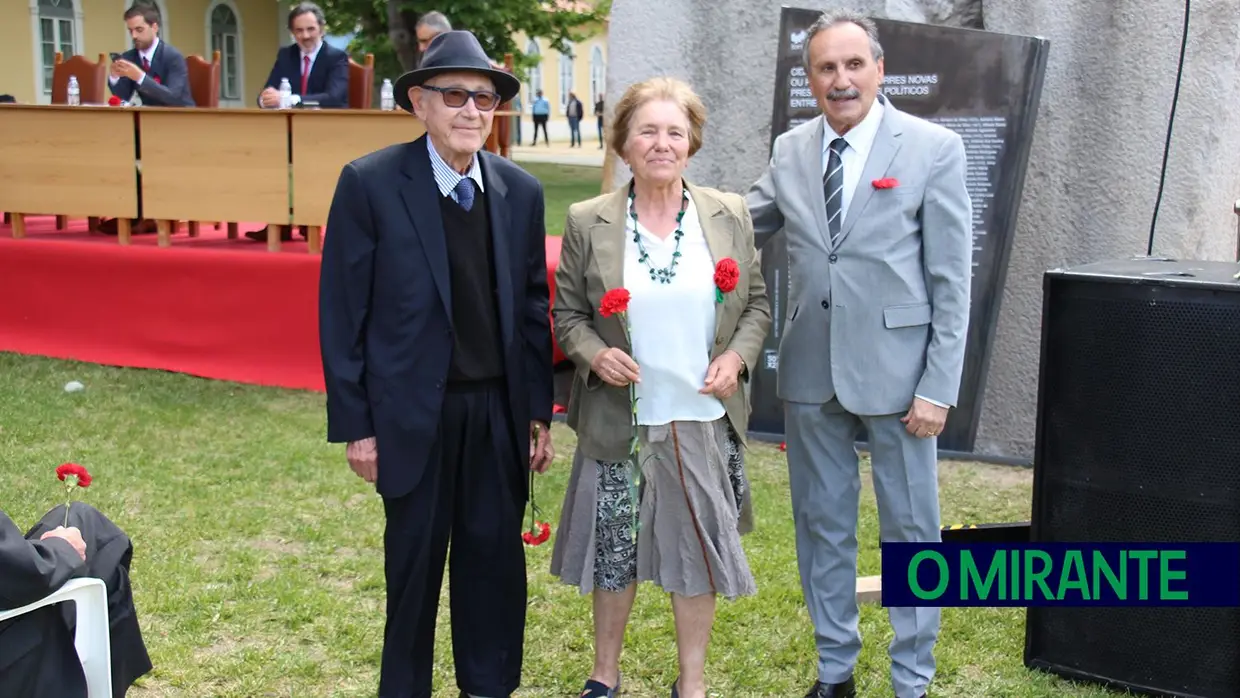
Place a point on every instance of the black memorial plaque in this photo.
(985, 86)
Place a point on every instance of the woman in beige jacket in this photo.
(694, 323)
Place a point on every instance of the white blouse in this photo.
(672, 324)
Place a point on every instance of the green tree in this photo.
(386, 27)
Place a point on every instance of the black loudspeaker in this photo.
(1138, 440)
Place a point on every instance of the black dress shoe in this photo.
(847, 689)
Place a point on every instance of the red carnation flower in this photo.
(886, 183)
(538, 536)
(83, 478)
(73, 475)
(727, 273)
(114, 101)
(614, 301)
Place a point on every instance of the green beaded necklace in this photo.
(664, 275)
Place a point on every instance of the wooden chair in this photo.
(501, 137)
(92, 79)
(362, 82)
(204, 80)
(92, 89)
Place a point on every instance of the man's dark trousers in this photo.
(472, 494)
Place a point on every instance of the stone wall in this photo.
(1097, 151)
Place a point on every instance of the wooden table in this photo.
(67, 161)
(278, 167)
(214, 165)
(323, 142)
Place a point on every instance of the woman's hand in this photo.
(722, 377)
(615, 367)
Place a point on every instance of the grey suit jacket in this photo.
(592, 263)
(882, 315)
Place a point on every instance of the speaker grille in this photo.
(1140, 442)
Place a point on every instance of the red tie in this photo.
(146, 65)
(305, 73)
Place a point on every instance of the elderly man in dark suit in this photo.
(152, 68)
(317, 71)
(37, 655)
(436, 346)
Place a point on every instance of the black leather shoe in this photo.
(847, 689)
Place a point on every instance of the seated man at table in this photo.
(37, 654)
(317, 71)
(152, 68)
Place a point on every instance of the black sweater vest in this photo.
(477, 353)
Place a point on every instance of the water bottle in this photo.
(386, 101)
(286, 94)
(75, 92)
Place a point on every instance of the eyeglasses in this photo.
(456, 97)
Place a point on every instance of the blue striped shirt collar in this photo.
(447, 178)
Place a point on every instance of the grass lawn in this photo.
(563, 186)
(258, 565)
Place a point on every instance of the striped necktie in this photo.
(833, 188)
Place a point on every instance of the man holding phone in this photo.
(152, 69)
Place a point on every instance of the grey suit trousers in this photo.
(826, 485)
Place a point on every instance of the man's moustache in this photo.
(851, 93)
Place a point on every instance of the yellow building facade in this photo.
(583, 71)
(246, 32)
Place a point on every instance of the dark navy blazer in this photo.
(329, 75)
(385, 317)
(166, 83)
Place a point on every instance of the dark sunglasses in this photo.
(456, 97)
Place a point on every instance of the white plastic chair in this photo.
(91, 639)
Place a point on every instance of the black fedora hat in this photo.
(454, 52)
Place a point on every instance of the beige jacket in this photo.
(592, 263)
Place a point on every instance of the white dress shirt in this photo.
(447, 178)
(149, 54)
(860, 140)
(672, 324)
(303, 69)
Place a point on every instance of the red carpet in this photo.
(210, 307)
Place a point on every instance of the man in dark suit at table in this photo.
(152, 68)
(317, 71)
(436, 347)
(37, 654)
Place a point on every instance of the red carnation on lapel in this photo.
(727, 273)
(886, 183)
(157, 80)
(614, 301)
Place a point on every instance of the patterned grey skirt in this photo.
(693, 506)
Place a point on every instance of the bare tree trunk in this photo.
(401, 25)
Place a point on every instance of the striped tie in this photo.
(833, 188)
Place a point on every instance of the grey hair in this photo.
(831, 19)
(306, 8)
(435, 20)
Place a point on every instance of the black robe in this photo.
(37, 656)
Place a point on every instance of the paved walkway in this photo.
(560, 154)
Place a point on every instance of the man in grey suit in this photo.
(879, 234)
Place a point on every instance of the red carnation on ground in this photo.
(74, 476)
(614, 301)
(886, 183)
(727, 274)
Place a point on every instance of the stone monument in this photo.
(1096, 157)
